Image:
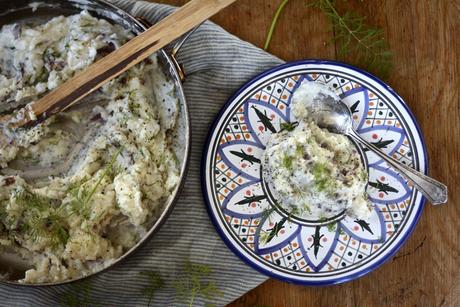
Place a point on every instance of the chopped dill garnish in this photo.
(299, 150)
(155, 283)
(322, 176)
(192, 284)
(288, 126)
(306, 207)
(287, 162)
(332, 227)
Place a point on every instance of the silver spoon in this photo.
(335, 116)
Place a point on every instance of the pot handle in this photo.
(175, 50)
(176, 47)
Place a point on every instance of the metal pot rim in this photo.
(177, 75)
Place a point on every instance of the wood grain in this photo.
(424, 38)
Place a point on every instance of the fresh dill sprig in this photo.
(51, 227)
(43, 218)
(155, 283)
(354, 37)
(81, 195)
(78, 296)
(278, 12)
(192, 285)
(107, 169)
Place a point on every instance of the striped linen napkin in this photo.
(217, 64)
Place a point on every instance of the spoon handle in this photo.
(433, 190)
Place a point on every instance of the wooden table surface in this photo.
(423, 37)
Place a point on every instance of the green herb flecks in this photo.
(332, 227)
(287, 162)
(306, 207)
(288, 126)
(155, 283)
(363, 175)
(192, 285)
(82, 195)
(322, 175)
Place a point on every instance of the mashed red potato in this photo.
(81, 221)
(313, 173)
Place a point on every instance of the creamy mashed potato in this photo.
(315, 174)
(80, 221)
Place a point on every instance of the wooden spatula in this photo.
(139, 48)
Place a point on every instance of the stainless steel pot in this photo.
(29, 11)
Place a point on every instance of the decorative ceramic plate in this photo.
(287, 247)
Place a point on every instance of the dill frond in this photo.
(106, 171)
(356, 38)
(288, 126)
(192, 285)
(155, 283)
(43, 219)
(352, 36)
(79, 193)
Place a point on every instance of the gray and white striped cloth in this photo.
(217, 64)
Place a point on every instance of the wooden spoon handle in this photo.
(139, 48)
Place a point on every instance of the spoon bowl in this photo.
(333, 115)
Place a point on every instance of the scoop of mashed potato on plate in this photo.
(313, 173)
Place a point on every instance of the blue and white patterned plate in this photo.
(286, 247)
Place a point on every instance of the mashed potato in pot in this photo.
(81, 220)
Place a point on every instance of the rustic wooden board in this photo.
(422, 35)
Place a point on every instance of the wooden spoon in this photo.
(136, 50)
